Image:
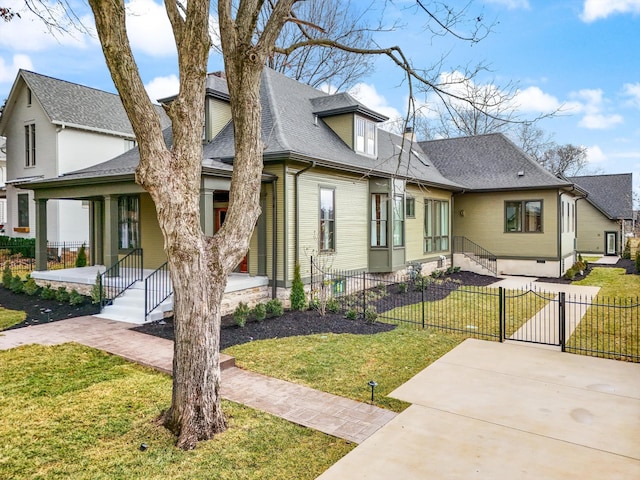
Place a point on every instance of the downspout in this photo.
(274, 239)
(297, 211)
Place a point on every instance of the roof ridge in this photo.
(22, 70)
(272, 104)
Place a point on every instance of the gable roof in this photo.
(291, 129)
(611, 194)
(69, 104)
(488, 163)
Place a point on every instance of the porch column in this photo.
(41, 234)
(110, 238)
(207, 219)
(96, 232)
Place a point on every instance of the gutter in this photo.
(297, 211)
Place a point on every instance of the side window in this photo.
(327, 220)
(128, 222)
(379, 219)
(23, 210)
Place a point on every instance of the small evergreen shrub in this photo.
(456, 269)
(75, 298)
(571, 274)
(47, 293)
(402, 287)
(30, 286)
(314, 304)
(7, 276)
(626, 253)
(16, 285)
(96, 294)
(370, 315)
(241, 313)
(81, 259)
(436, 274)
(274, 308)
(62, 295)
(351, 314)
(333, 306)
(298, 300)
(638, 261)
(260, 312)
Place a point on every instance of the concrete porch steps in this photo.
(129, 307)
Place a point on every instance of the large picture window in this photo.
(30, 145)
(365, 136)
(523, 216)
(23, 210)
(436, 225)
(128, 222)
(327, 220)
(379, 219)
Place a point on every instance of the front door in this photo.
(610, 239)
(221, 214)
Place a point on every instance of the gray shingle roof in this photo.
(69, 103)
(488, 162)
(611, 194)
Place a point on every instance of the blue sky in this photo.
(582, 56)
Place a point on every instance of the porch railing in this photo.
(475, 253)
(157, 288)
(119, 277)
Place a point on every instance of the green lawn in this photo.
(9, 318)
(71, 412)
(612, 323)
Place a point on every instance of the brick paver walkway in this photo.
(331, 414)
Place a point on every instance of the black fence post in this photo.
(501, 313)
(364, 295)
(562, 319)
(422, 303)
(311, 283)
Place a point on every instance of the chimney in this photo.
(408, 134)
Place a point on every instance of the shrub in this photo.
(298, 300)
(75, 298)
(62, 295)
(638, 261)
(351, 314)
(81, 259)
(402, 287)
(626, 253)
(241, 313)
(96, 293)
(571, 274)
(16, 285)
(456, 269)
(274, 308)
(370, 315)
(314, 304)
(7, 276)
(333, 305)
(436, 274)
(47, 293)
(260, 312)
(30, 286)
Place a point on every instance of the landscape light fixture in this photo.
(48, 312)
(372, 384)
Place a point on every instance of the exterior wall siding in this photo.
(481, 218)
(342, 125)
(591, 226)
(150, 234)
(218, 115)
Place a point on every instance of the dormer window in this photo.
(365, 133)
(28, 97)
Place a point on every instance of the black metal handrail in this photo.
(476, 253)
(119, 277)
(157, 288)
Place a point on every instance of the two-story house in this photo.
(53, 127)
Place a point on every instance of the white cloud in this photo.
(591, 103)
(29, 33)
(599, 121)
(369, 96)
(595, 154)
(598, 9)
(632, 90)
(149, 28)
(8, 72)
(533, 99)
(511, 4)
(162, 87)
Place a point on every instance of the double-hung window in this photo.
(379, 219)
(23, 210)
(365, 141)
(129, 222)
(436, 225)
(30, 145)
(523, 216)
(327, 220)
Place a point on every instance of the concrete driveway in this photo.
(488, 410)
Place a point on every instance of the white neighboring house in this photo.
(3, 177)
(54, 127)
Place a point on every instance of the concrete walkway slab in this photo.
(503, 411)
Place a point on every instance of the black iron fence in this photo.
(603, 327)
(21, 255)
